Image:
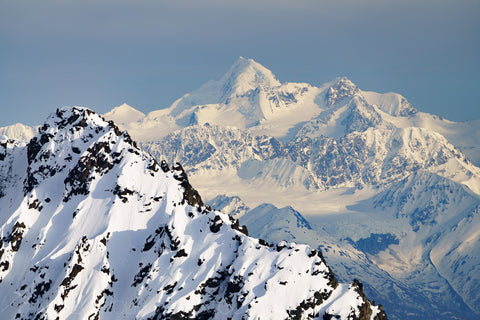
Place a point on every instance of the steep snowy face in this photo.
(259, 159)
(98, 229)
(246, 96)
(124, 114)
(246, 75)
(214, 147)
(12, 165)
(380, 156)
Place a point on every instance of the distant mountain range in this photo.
(389, 194)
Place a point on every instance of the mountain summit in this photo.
(94, 228)
(246, 75)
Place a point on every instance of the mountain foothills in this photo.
(390, 195)
(94, 228)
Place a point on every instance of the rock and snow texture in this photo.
(94, 228)
(391, 193)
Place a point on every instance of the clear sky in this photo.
(102, 53)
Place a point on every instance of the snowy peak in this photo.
(246, 75)
(233, 206)
(103, 231)
(73, 136)
(18, 131)
(124, 114)
(245, 79)
(342, 89)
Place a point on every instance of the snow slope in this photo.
(94, 228)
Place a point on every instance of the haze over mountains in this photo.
(389, 194)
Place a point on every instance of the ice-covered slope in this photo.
(92, 227)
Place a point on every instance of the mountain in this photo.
(124, 114)
(18, 131)
(250, 97)
(390, 193)
(93, 227)
(233, 206)
(247, 96)
(339, 156)
(414, 245)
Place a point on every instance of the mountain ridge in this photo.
(374, 177)
(129, 237)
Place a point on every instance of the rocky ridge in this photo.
(101, 230)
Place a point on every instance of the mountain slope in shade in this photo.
(98, 229)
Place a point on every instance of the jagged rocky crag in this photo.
(94, 228)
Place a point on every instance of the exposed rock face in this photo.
(341, 90)
(100, 230)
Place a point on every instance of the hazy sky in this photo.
(148, 53)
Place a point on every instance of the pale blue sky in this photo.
(148, 53)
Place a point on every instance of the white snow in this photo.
(101, 229)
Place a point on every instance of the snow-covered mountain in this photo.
(250, 97)
(390, 193)
(94, 228)
(414, 244)
(124, 114)
(18, 131)
(340, 156)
